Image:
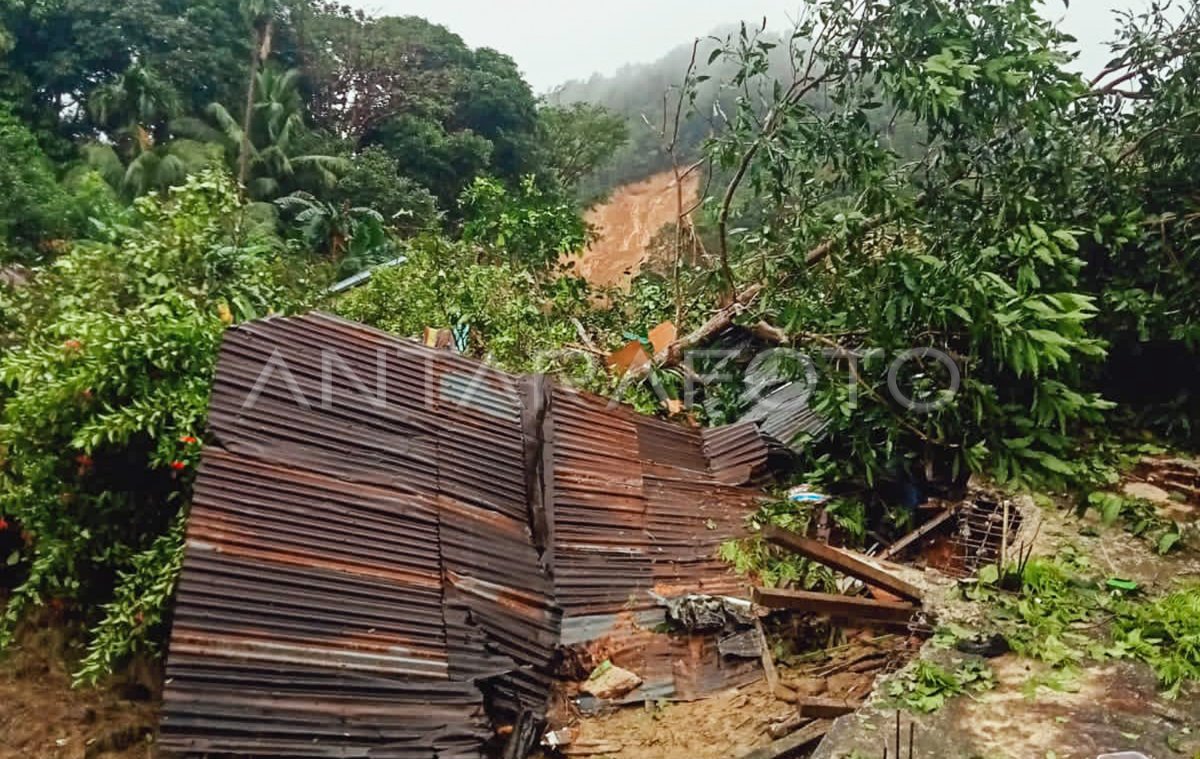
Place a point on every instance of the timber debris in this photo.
(857, 567)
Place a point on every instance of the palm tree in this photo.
(135, 108)
(152, 169)
(272, 151)
(333, 228)
(261, 15)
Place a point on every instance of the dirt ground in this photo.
(1100, 709)
(42, 717)
(739, 720)
(627, 223)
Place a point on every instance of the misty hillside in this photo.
(647, 96)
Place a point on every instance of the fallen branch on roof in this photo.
(720, 321)
(850, 607)
(842, 561)
(724, 318)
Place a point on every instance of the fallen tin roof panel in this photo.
(393, 548)
(738, 453)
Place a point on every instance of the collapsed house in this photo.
(395, 551)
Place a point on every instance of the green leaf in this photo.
(1167, 541)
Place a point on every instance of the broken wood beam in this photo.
(592, 748)
(841, 561)
(792, 744)
(896, 548)
(851, 607)
(788, 726)
(827, 708)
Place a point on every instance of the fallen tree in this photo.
(954, 186)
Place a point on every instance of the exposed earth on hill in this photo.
(627, 223)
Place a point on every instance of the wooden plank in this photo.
(841, 561)
(852, 607)
(827, 708)
(917, 534)
(788, 726)
(792, 744)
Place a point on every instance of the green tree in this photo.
(1142, 222)
(135, 106)
(444, 112)
(832, 241)
(504, 311)
(151, 167)
(445, 162)
(34, 208)
(330, 228)
(374, 180)
(532, 227)
(274, 152)
(60, 51)
(579, 139)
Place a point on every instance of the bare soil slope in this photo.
(627, 223)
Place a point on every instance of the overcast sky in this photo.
(557, 40)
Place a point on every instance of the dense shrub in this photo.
(34, 208)
(503, 311)
(106, 392)
(531, 226)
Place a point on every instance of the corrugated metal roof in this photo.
(785, 416)
(390, 547)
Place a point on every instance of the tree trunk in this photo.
(260, 50)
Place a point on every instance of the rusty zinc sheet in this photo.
(393, 550)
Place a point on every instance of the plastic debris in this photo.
(700, 613)
(556, 738)
(805, 494)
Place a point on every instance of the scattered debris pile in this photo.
(957, 538)
(396, 551)
(1172, 485)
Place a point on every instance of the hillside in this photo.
(627, 223)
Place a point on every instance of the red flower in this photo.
(188, 440)
(84, 461)
(178, 465)
(73, 345)
(3, 524)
